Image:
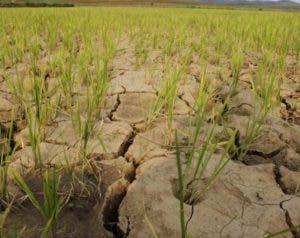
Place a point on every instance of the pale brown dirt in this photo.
(133, 171)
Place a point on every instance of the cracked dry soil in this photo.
(133, 173)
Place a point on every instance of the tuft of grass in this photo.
(166, 96)
(141, 53)
(266, 89)
(236, 65)
(53, 203)
(199, 156)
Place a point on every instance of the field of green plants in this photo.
(149, 122)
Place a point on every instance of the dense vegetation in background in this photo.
(35, 3)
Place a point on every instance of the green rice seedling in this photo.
(34, 55)
(17, 88)
(282, 54)
(172, 95)
(100, 83)
(201, 116)
(191, 179)
(4, 53)
(166, 96)
(266, 88)
(5, 162)
(83, 126)
(5, 158)
(17, 51)
(96, 87)
(67, 80)
(76, 117)
(68, 40)
(169, 46)
(38, 98)
(87, 128)
(52, 38)
(53, 203)
(199, 157)
(84, 58)
(219, 42)
(3, 217)
(141, 53)
(52, 107)
(154, 36)
(236, 65)
(202, 162)
(36, 118)
(200, 109)
(3, 181)
(36, 106)
(191, 176)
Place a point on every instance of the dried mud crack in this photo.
(287, 105)
(278, 179)
(115, 108)
(185, 101)
(111, 215)
(127, 143)
(292, 227)
(264, 155)
(116, 193)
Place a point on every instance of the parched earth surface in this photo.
(132, 177)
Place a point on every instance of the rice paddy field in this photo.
(149, 122)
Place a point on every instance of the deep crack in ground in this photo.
(292, 227)
(111, 211)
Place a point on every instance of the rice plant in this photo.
(266, 89)
(96, 87)
(52, 204)
(166, 96)
(3, 218)
(236, 64)
(141, 53)
(7, 150)
(4, 193)
(192, 185)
